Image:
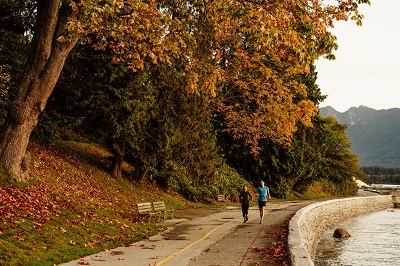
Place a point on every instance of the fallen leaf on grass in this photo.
(19, 238)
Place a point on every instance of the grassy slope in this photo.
(72, 207)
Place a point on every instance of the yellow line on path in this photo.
(194, 243)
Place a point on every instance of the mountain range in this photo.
(374, 134)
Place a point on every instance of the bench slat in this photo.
(146, 208)
(221, 198)
(160, 206)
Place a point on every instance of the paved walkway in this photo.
(219, 238)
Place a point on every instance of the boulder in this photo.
(341, 233)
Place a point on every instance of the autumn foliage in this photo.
(197, 70)
(246, 54)
(72, 206)
(276, 253)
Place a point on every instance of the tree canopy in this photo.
(243, 57)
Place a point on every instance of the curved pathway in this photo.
(218, 238)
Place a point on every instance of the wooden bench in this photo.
(221, 198)
(159, 206)
(145, 208)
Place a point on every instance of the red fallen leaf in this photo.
(83, 263)
(277, 252)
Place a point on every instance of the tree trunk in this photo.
(44, 65)
(118, 160)
(116, 167)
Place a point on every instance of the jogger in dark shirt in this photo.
(245, 198)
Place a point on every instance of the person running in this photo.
(263, 196)
(245, 198)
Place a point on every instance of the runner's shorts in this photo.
(262, 204)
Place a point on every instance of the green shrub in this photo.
(224, 180)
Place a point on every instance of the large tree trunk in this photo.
(42, 71)
(118, 160)
(116, 166)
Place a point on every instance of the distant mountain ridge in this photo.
(374, 134)
(351, 116)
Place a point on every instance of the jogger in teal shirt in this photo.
(263, 196)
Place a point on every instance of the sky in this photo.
(367, 66)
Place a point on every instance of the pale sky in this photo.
(367, 66)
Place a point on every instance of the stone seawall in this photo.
(309, 223)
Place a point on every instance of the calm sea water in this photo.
(375, 240)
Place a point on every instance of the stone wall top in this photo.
(308, 224)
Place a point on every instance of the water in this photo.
(375, 240)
